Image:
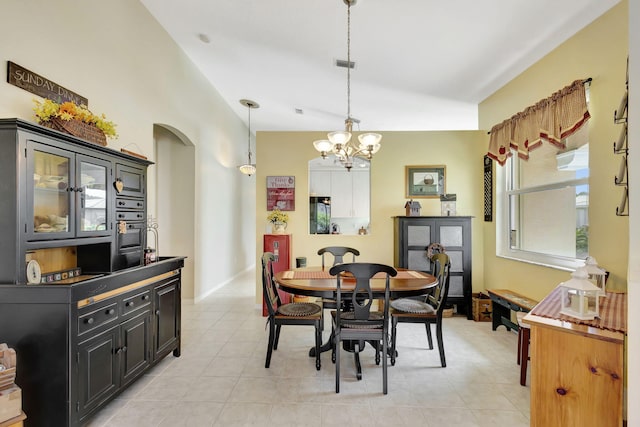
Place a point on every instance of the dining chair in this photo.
(296, 313)
(338, 253)
(429, 311)
(360, 324)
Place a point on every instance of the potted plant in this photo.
(278, 220)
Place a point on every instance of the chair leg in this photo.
(275, 343)
(384, 363)
(443, 361)
(394, 323)
(336, 349)
(334, 344)
(524, 357)
(428, 327)
(318, 343)
(270, 344)
(356, 359)
(519, 344)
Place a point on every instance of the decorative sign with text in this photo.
(38, 85)
(281, 193)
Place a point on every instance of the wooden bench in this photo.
(505, 301)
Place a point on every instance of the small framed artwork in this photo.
(425, 181)
(281, 193)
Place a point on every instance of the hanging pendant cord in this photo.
(249, 136)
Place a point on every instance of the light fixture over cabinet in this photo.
(339, 142)
(248, 168)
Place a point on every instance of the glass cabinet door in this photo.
(49, 193)
(91, 178)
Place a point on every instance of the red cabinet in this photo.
(280, 246)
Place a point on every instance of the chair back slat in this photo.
(441, 269)
(338, 253)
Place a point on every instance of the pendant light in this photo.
(339, 142)
(248, 168)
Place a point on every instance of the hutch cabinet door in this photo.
(92, 196)
(166, 299)
(98, 372)
(136, 345)
(50, 192)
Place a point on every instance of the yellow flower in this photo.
(48, 109)
(278, 216)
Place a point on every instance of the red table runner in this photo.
(613, 311)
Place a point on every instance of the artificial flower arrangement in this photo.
(48, 110)
(278, 216)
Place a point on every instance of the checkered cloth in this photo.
(613, 311)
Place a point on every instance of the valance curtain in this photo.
(552, 119)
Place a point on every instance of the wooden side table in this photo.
(577, 370)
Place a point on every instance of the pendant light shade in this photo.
(248, 168)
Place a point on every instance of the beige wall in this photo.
(288, 153)
(115, 54)
(600, 52)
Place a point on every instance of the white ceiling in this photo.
(420, 64)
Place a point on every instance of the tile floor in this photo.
(220, 379)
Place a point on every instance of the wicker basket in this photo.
(78, 128)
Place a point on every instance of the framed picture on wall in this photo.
(425, 181)
(281, 193)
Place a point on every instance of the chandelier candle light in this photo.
(339, 142)
(249, 168)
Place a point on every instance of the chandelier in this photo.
(339, 142)
(248, 168)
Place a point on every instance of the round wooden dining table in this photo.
(316, 281)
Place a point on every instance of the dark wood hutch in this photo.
(84, 314)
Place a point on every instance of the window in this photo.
(543, 203)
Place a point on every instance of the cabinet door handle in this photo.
(145, 297)
(158, 312)
(139, 215)
(111, 311)
(89, 321)
(121, 203)
(130, 304)
(139, 204)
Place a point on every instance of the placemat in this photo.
(298, 274)
(613, 311)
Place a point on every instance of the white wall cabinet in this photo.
(349, 194)
(320, 183)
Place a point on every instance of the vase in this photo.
(278, 227)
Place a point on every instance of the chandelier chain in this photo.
(349, 60)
